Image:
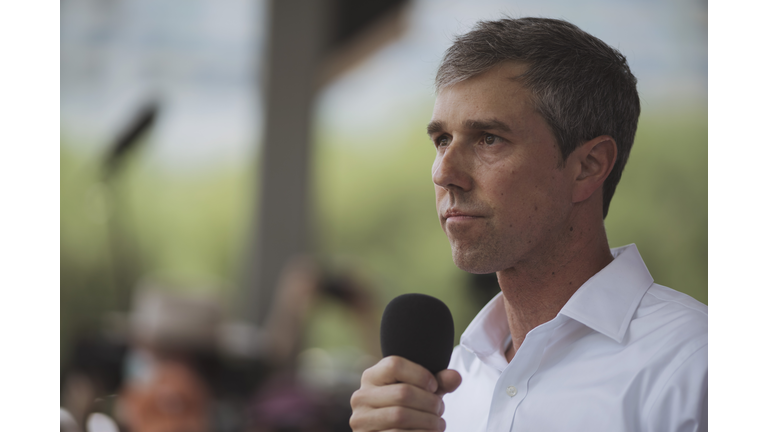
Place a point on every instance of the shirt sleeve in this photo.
(681, 406)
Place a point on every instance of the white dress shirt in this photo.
(624, 354)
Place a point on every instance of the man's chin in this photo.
(474, 262)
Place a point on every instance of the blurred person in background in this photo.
(181, 368)
(170, 364)
(94, 373)
(309, 390)
(533, 124)
(174, 398)
(152, 372)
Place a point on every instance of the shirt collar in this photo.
(488, 334)
(606, 303)
(608, 300)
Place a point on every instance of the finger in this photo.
(405, 419)
(394, 418)
(413, 430)
(403, 395)
(394, 369)
(448, 380)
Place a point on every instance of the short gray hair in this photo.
(581, 86)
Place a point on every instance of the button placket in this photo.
(511, 391)
(519, 371)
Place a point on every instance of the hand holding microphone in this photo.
(404, 390)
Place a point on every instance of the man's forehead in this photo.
(510, 71)
(494, 100)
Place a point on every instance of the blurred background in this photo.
(245, 185)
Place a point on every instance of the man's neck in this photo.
(534, 292)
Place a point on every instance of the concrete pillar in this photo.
(297, 38)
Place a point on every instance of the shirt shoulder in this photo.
(671, 312)
(667, 327)
(677, 299)
(680, 404)
(669, 337)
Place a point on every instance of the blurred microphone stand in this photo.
(123, 258)
(96, 374)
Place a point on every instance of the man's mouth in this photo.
(459, 215)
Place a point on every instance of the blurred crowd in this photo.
(175, 364)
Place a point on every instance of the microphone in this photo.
(129, 137)
(419, 328)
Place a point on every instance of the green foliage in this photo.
(184, 229)
(191, 227)
(86, 287)
(374, 211)
(661, 201)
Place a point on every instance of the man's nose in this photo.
(451, 169)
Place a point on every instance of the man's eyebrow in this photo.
(491, 124)
(434, 127)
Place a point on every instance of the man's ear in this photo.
(592, 162)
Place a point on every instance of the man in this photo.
(533, 123)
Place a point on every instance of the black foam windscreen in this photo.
(419, 328)
(129, 137)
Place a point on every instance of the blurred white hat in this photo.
(175, 320)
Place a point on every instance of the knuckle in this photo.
(403, 393)
(360, 422)
(354, 421)
(390, 364)
(366, 377)
(355, 400)
(399, 416)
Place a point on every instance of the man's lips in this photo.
(458, 215)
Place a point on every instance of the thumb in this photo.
(448, 380)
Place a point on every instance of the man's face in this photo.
(502, 197)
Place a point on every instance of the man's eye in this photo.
(442, 141)
(490, 139)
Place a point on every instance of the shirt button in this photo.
(511, 391)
